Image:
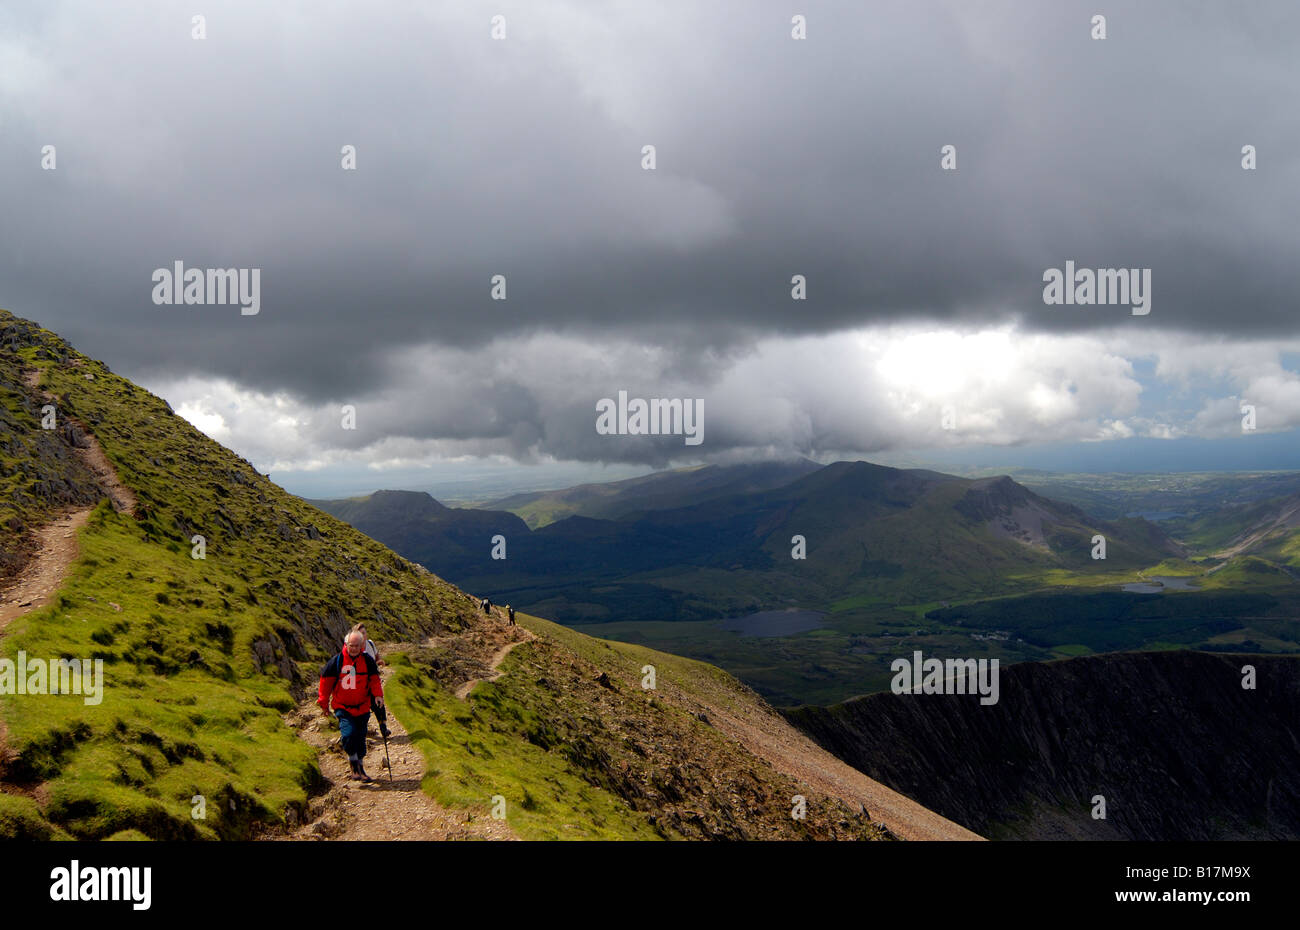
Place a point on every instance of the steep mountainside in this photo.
(212, 603)
(1172, 741)
(1268, 530)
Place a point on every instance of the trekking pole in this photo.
(386, 759)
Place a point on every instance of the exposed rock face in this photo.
(1171, 740)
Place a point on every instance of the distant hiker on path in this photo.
(510, 612)
(381, 714)
(350, 681)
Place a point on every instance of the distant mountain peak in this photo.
(1001, 491)
(418, 500)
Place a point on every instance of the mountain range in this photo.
(903, 536)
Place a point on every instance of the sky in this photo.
(378, 356)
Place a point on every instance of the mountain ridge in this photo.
(869, 530)
(1176, 745)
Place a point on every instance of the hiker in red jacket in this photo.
(350, 681)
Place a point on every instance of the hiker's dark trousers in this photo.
(352, 733)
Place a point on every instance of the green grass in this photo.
(183, 712)
(575, 760)
(544, 512)
(495, 745)
(21, 819)
(686, 674)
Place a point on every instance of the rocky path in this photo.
(56, 542)
(41, 577)
(527, 636)
(91, 454)
(384, 809)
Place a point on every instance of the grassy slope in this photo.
(579, 760)
(204, 656)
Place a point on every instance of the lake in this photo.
(1169, 583)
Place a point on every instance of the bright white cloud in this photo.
(1252, 370)
(532, 398)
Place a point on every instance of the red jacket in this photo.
(350, 683)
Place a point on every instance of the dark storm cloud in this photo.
(522, 158)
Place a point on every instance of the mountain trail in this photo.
(91, 454)
(527, 636)
(42, 576)
(56, 542)
(55, 549)
(382, 809)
